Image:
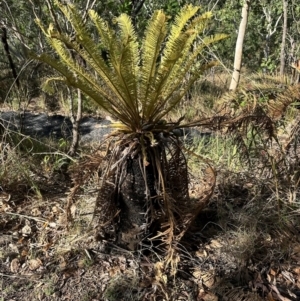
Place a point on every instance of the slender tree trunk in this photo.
(270, 31)
(75, 118)
(239, 47)
(75, 121)
(284, 33)
(10, 60)
(136, 7)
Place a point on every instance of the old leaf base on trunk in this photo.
(143, 195)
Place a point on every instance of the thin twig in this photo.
(56, 153)
(26, 216)
(18, 276)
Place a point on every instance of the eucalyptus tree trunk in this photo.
(284, 33)
(239, 47)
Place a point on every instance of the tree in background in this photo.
(284, 35)
(18, 16)
(239, 47)
(272, 16)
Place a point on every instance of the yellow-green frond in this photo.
(200, 22)
(172, 73)
(175, 96)
(47, 85)
(177, 48)
(78, 81)
(107, 35)
(127, 65)
(154, 36)
(138, 83)
(191, 61)
(174, 44)
(87, 49)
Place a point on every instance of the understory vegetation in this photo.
(243, 243)
(193, 194)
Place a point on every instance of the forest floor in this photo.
(244, 246)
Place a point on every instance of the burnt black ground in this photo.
(54, 126)
(57, 126)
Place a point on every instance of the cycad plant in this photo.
(144, 174)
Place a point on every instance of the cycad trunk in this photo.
(138, 200)
(134, 200)
(125, 203)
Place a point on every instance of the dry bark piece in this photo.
(206, 296)
(26, 230)
(15, 265)
(34, 264)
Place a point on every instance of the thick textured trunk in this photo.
(134, 201)
(122, 213)
(137, 201)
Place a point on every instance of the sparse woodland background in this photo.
(242, 162)
(261, 51)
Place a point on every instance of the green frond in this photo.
(206, 41)
(47, 85)
(175, 42)
(189, 63)
(92, 51)
(79, 71)
(75, 81)
(139, 82)
(177, 94)
(108, 37)
(89, 53)
(168, 74)
(56, 65)
(200, 22)
(178, 72)
(123, 53)
(127, 65)
(107, 34)
(173, 69)
(154, 36)
(87, 49)
(39, 23)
